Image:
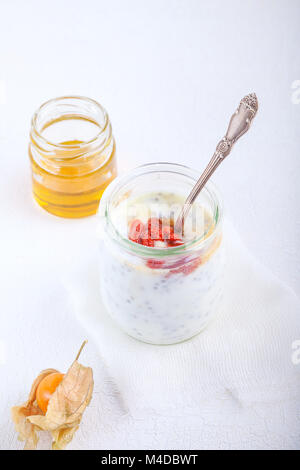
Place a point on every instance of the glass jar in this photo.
(72, 154)
(179, 298)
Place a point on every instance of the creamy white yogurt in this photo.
(176, 301)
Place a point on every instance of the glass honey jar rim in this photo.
(102, 138)
(197, 243)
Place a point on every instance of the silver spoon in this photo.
(238, 125)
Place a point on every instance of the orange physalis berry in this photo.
(46, 388)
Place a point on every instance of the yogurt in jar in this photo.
(160, 290)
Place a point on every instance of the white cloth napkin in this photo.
(233, 386)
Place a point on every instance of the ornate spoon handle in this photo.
(238, 125)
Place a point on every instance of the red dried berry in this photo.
(135, 230)
(154, 225)
(146, 241)
(167, 233)
(170, 237)
(154, 263)
(173, 243)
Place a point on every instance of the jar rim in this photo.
(146, 251)
(49, 142)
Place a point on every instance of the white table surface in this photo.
(170, 73)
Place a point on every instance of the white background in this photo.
(170, 74)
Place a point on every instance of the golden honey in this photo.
(72, 154)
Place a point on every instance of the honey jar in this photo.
(72, 153)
